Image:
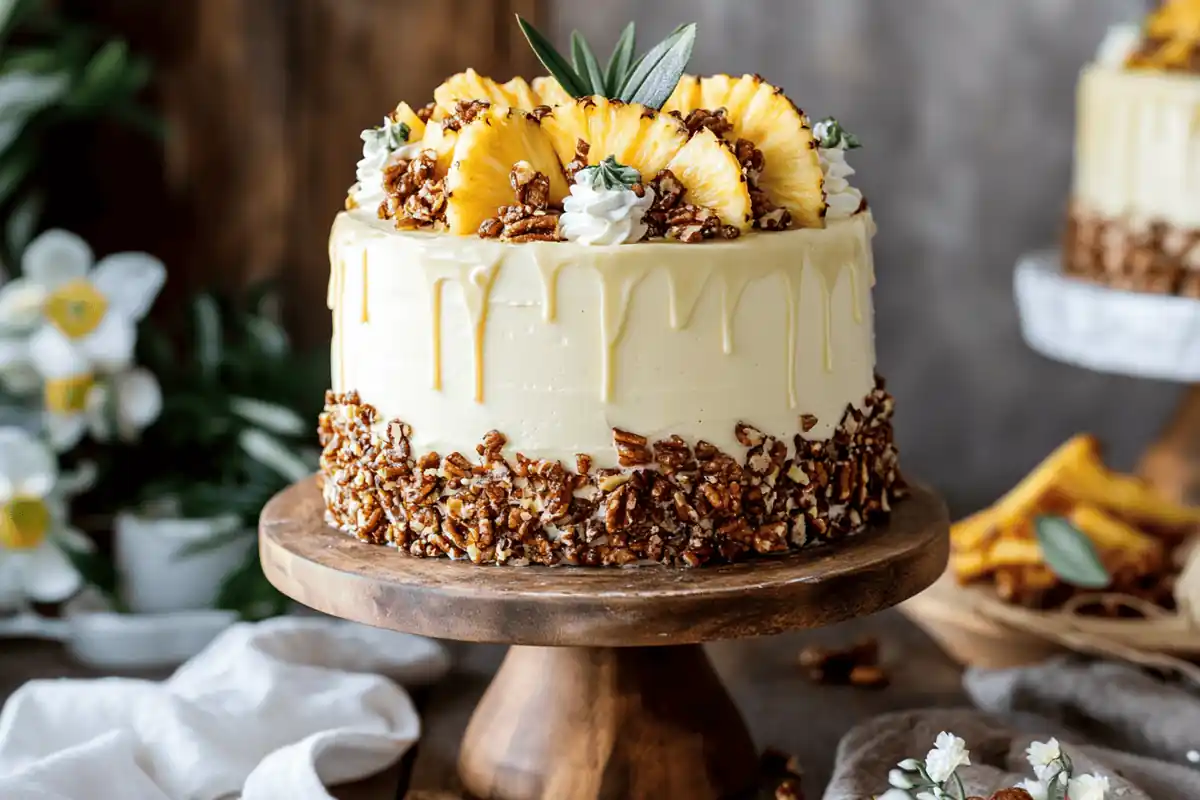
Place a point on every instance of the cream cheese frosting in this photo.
(382, 147)
(603, 216)
(1137, 152)
(842, 199)
(555, 344)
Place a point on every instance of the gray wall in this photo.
(967, 113)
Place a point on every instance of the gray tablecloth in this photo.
(1113, 720)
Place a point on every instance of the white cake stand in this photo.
(1124, 333)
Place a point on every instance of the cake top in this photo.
(633, 151)
(1168, 40)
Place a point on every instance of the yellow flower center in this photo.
(76, 308)
(68, 395)
(23, 523)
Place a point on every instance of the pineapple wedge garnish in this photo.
(470, 85)
(708, 169)
(416, 127)
(550, 92)
(762, 114)
(636, 136)
(485, 150)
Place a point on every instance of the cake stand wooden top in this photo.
(601, 607)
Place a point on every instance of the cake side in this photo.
(1134, 218)
(556, 344)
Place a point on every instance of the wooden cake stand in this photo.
(606, 692)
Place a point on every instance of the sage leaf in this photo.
(552, 61)
(586, 65)
(621, 62)
(1069, 553)
(659, 71)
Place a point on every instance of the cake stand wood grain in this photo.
(607, 692)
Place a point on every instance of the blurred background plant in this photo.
(58, 76)
(230, 421)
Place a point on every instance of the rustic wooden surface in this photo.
(336, 574)
(780, 706)
(598, 717)
(264, 100)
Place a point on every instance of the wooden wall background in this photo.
(967, 111)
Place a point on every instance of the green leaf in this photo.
(552, 61)
(206, 316)
(23, 220)
(610, 174)
(14, 169)
(830, 134)
(621, 62)
(1069, 553)
(1057, 790)
(659, 71)
(96, 570)
(586, 65)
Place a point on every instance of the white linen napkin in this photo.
(272, 710)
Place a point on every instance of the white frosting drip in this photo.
(382, 147)
(842, 198)
(603, 216)
(1119, 44)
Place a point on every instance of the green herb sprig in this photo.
(830, 134)
(609, 174)
(648, 80)
(1069, 553)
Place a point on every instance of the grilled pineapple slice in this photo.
(484, 153)
(438, 138)
(470, 85)
(761, 113)
(708, 169)
(550, 92)
(636, 136)
(405, 114)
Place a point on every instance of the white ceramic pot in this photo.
(156, 573)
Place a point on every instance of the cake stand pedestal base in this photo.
(568, 722)
(1172, 463)
(606, 693)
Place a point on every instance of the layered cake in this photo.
(613, 317)
(1134, 221)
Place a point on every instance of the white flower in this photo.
(17, 374)
(1193, 756)
(33, 527)
(1042, 755)
(77, 402)
(899, 779)
(910, 765)
(1037, 790)
(1087, 787)
(895, 794)
(92, 310)
(948, 754)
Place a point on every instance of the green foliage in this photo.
(609, 174)
(58, 77)
(648, 80)
(1070, 554)
(229, 374)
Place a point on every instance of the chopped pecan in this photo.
(579, 162)
(532, 218)
(465, 112)
(716, 121)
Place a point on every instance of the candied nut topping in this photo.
(465, 112)
(1133, 255)
(579, 162)
(414, 195)
(701, 118)
(668, 501)
(808, 422)
(672, 217)
(533, 218)
(425, 112)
